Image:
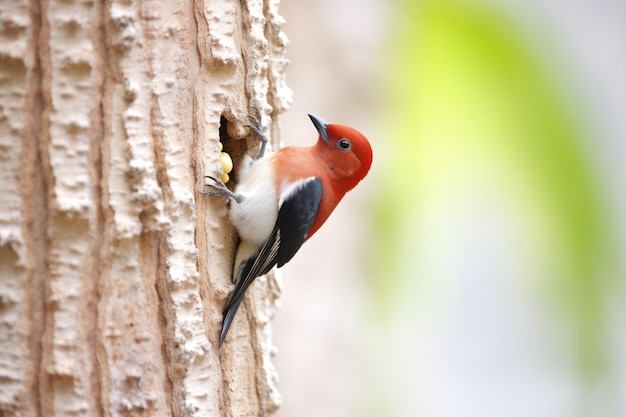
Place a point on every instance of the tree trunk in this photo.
(113, 268)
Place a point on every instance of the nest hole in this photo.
(236, 148)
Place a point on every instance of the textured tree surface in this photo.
(113, 268)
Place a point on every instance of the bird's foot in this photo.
(257, 126)
(219, 189)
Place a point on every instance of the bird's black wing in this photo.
(295, 218)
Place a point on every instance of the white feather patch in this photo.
(255, 217)
(289, 189)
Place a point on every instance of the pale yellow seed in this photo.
(220, 146)
(227, 163)
(225, 178)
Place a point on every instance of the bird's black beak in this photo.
(321, 126)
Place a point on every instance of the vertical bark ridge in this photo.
(130, 344)
(67, 62)
(34, 209)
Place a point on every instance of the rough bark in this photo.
(113, 268)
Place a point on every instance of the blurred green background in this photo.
(478, 270)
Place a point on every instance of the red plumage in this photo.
(339, 170)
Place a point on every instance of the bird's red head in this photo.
(346, 152)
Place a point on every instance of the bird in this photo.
(282, 199)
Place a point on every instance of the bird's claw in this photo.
(219, 189)
(257, 126)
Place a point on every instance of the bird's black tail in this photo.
(260, 263)
(229, 316)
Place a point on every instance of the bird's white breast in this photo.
(255, 217)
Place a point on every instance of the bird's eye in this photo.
(344, 144)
